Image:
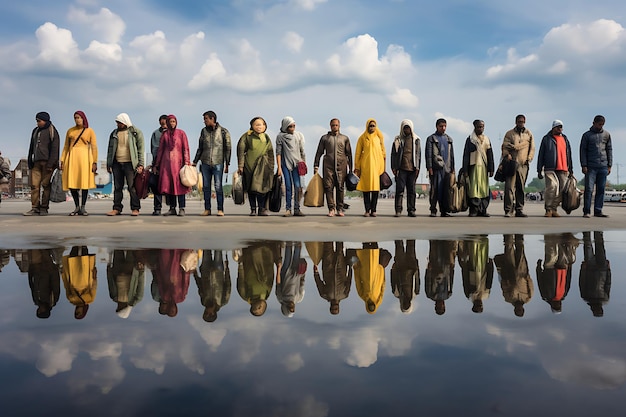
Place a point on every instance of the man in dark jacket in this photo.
(555, 159)
(405, 165)
(439, 156)
(596, 158)
(43, 158)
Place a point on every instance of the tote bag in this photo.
(314, 194)
(189, 175)
(57, 195)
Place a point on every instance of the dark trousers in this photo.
(439, 191)
(256, 200)
(405, 180)
(370, 199)
(124, 172)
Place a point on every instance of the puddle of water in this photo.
(485, 324)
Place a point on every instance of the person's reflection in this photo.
(515, 281)
(255, 274)
(80, 279)
(171, 279)
(5, 258)
(290, 280)
(126, 279)
(334, 285)
(555, 276)
(213, 283)
(405, 275)
(44, 280)
(369, 274)
(477, 270)
(595, 274)
(440, 272)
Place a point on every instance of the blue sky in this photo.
(314, 60)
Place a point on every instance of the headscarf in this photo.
(371, 136)
(290, 143)
(82, 115)
(124, 119)
(171, 142)
(43, 116)
(407, 122)
(171, 116)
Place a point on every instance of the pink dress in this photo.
(172, 156)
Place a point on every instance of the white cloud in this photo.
(293, 362)
(308, 4)
(293, 41)
(57, 46)
(403, 97)
(153, 47)
(191, 45)
(108, 52)
(106, 25)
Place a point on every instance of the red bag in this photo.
(141, 183)
(302, 169)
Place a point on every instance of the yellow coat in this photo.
(78, 159)
(369, 278)
(369, 159)
(79, 279)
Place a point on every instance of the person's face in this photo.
(599, 125)
(258, 126)
(334, 126)
(291, 128)
(441, 128)
(163, 123)
(480, 128)
(40, 123)
(371, 127)
(406, 130)
(171, 123)
(557, 130)
(120, 126)
(520, 122)
(78, 120)
(208, 122)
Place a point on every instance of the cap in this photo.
(557, 123)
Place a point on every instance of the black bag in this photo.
(276, 194)
(385, 181)
(571, 196)
(239, 195)
(57, 195)
(507, 169)
(351, 181)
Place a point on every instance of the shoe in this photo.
(43, 212)
(206, 213)
(472, 214)
(135, 213)
(82, 211)
(32, 212)
(412, 214)
(298, 213)
(521, 214)
(253, 212)
(263, 212)
(555, 214)
(181, 213)
(220, 213)
(484, 215)
(433, 214)
(548, 213)
(156, 213)
(340, 213)
(586, 215)
(113, 213)
(397, 214)
(331, 213)
(600, 215)
(373, 214)
(366, 214)
(287, 213)
(446, 215)
(170, 212)
(75, 212)
(507, 214)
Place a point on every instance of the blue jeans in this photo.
(292, 185)
(216, 172)
(595, 177)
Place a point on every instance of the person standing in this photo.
(555, 159)
(369, 164)
(596, 158)
(595, 274)
(518, 145)
(478, 166)
(155, 140)
(173, 154)
(337, 162)
(405, 165)
(335, 282)
(255, 158)
(79, 162)
(289, 152)
(43, 158)
(439, 156)
(405, 275)
(214, 284)
(5, 174)
(124, 159)
(214, 151)
(515, 281)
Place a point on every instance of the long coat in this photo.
(79, 278)
(172, 155)
(256, 158)
(369, 278)
(78, 159)
(369, 159)
(337, 158)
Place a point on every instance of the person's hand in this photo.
(61, 165)
(490, 174)
(430, 172)
(225, 169)
(193, 164)
(280, 172)
(357, 172)
(540, 175)
(94, 167)
(315, 169)
(240, 171)
(394, 172)
(585, 170)
(109, 170)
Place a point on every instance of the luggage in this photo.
(189, 175)
(141, 183)
(57, 195)
(239, 195)
(351, 181)
(385, 181)
(571, 195)
(457, 193)
(276, 194)
(314, 194)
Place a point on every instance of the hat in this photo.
(42, 115)
(557, 123)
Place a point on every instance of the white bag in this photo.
(189, 175)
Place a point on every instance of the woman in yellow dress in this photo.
(79, 162)
(80, 279)
(369, 164)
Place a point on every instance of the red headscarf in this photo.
(82, 115)
(171, 116)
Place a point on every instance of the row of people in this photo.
(256, 163)
(261, 265)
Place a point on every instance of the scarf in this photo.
(290, 143)
(371, 136)
(479, 141)
(82, 115)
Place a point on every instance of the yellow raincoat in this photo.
(369, 159)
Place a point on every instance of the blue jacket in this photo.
(547, 154)
(596, 150)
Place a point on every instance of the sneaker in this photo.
(298, 213)
(156, 213)
(433, 214)
(181, 212)
(170, 212)
(507, 214)
(206, 213)
(586, 215)
(220, 213)
(287, 213)
(43, 212)
(135, 213)
(263, 212)
(446, 215)
(397, 214)
(412, 214)
(521, 214)
(32, 212)
(114, 213)
(253, 212)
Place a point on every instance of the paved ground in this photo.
(195, 231)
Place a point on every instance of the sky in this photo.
(315, 60)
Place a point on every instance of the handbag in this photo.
(351, 181)
(276, 194)
(302, 169)
(189, 175)
(314, 194)
(385, 181)
(189, 260)
(142, 183)
(239, 196)
(57, 195)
